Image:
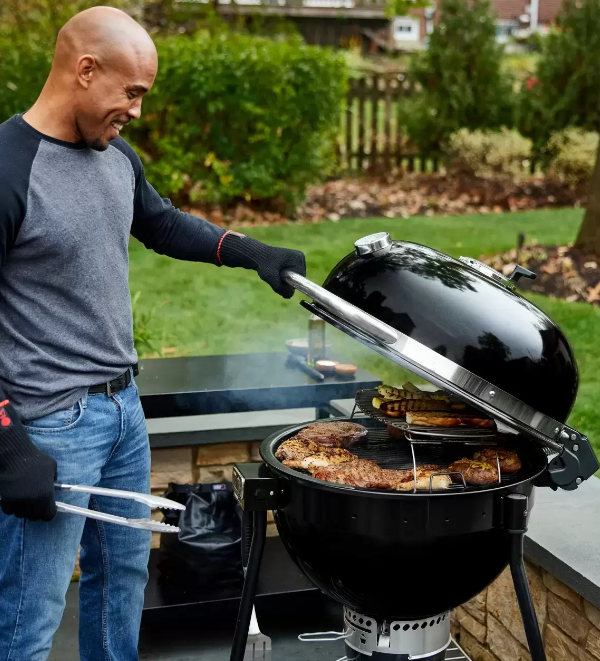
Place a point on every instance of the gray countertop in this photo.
(564, 537)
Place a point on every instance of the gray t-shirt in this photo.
(66, 213)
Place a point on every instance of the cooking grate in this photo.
(401, 454)
(364, 400)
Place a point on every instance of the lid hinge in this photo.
(577, 462)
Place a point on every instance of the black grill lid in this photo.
(460, 325)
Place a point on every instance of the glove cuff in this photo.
(16, 449)
(237, 250)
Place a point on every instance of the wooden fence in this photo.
(373, 137)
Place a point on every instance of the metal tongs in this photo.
(156, 502)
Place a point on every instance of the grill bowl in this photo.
(396, 555)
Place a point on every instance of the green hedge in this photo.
(233, 116)
(230, 117)
(24, 65)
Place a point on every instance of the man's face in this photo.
(113, 97)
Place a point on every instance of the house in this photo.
(513, 16)
(365, 24)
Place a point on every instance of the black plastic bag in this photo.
(207, 551)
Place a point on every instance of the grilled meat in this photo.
(442, 419)
(395, 432)
(327, 457)
(297, 449)
(368, 475)
(424, 481)
(334, 434)
(509, 459)
(476, 473)
(363, 473)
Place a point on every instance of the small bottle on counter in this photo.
(316, 340)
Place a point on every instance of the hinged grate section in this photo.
(364, 403)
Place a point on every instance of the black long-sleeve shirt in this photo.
(66, 213)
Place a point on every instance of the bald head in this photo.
(107, 34)
(103, 65)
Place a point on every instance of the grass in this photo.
(207, 310)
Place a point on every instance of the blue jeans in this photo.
(100, 441)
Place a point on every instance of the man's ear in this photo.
(86, 67)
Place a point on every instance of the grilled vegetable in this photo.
(398, 408)
(410, 387)
(387, 392)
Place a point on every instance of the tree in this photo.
(460, 76)
(565, 92)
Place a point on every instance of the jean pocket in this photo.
(57, 422)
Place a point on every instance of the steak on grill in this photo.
(363, 473)
(509, 459)
(303, 453)
(327, 457)
(424, 481)
(334, 434)
(476, 473)
(296, 449)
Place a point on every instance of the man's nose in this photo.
(135, 112)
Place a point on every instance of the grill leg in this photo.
(516, 523)
(240, 638)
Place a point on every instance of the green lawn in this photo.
(208, 310)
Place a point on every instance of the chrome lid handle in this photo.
(373, 245)
(347, 312)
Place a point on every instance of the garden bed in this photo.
(562, 271)
(404, 197)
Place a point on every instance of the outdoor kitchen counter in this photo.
(564, 537)
(203, 385)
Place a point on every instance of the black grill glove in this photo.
(26, 475)
(239, 250)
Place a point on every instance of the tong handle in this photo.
(339, 307)
(146, 499)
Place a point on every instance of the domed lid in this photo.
(458, 324)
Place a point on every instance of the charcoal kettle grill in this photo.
(399, 562)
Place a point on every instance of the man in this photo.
(71, 192)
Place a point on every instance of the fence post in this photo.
(362, 95)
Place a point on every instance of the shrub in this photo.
(573, 155)
(461, 76)
(487, 153)
(24, 65)
(233, 116)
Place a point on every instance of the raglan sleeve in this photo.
(168, 231)
(165, 229)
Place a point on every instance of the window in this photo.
(505, 29)
(407, 29)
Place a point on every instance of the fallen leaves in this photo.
(562, 271)
(402, 197)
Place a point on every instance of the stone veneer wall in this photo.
(202, 464)
(489, 627)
